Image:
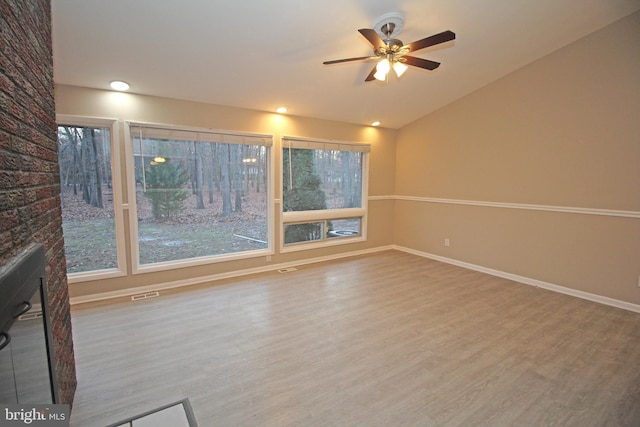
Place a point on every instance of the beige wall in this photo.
(78, 101)
(561, 132)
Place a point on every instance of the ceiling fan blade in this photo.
(373, 37)
(419, 62)
(337, 61)
(370, 76)
(442, 37)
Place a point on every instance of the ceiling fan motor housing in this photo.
(394, 47)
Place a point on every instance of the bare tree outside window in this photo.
(198, 198)
(86, 193)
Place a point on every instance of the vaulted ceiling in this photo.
(264, 54)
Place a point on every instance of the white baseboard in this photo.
(526, 280)
(214, 277)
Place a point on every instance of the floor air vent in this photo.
(287, 270)
(145, 296)
(31, 316)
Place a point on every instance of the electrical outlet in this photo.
(447, 242)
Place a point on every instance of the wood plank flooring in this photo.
(389, 339)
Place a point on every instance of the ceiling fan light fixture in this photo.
(380, 76)
(383, 66)
(399, 68)
(382, 69)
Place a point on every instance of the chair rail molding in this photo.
(524, 206)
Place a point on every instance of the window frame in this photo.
(324, 215)
(136, 266)
(118, 204)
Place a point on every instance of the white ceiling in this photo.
(263, 54)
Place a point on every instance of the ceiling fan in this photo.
(391, 52)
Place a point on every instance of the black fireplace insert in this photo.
(27, 369)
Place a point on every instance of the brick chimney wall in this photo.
(30, 209)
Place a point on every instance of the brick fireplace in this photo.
(29, 179)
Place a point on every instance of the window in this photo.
(89, 183)
(198, 194)
(323, 192)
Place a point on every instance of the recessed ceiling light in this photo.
(119, 85)
(281, 110)
(376, 123)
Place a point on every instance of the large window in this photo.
(89, 197)
(323, 192)
(198, 194)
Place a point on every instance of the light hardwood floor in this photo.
(389, 339)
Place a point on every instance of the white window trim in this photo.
(118, 206)
(324, 214)
(136, 267)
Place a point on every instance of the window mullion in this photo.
(321, 215)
